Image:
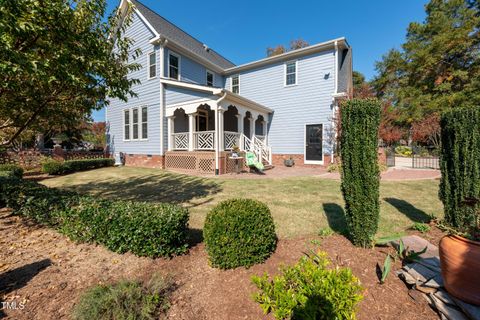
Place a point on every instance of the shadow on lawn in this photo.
(413, 213)
(157, 188)
(335, 217)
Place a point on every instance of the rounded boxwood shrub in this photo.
(239, 232)
(13, 169)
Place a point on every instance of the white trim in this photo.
(231, 82)
(144, 19)
(305, 161)
(161, 90)
(193, 86)
(285, 73)
(148, 64)
(170, 52)
(335, 85)
(290, 55)
(207, 71)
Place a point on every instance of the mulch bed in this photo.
(48, 272)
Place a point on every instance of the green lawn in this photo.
(300, 206)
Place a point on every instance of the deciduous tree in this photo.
(438, 66)
(59, 60)
(294, 44)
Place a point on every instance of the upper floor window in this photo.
(144, 123)
(209, 78)
(236, 84)
(152, 65)
(290, 73)
(126, 123)
(173, 66)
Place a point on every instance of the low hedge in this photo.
(239, 232)
(144, 229)
(13, 168)
(54, 167)
(310, 290)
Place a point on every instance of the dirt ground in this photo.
(47, 272)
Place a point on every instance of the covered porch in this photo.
(201, 133)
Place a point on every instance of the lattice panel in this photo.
(202, 162)
(231, 140)
(206, 165)
(185, 162)
(205, 140)
(180, 141)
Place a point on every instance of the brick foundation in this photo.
(277, 160)
(144, 160)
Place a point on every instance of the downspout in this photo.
(335, 91)
(217, 129)
(162, 107)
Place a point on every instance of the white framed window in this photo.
(135, 123)
(126, 125)
(174, 66)
(210, 78)
(144, 123)
(152, 65)
(291, 73)
(235, 84)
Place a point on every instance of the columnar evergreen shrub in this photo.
(54, 167)
(310, 290)
(360, 119)
(460, 164)
(144, 229)
(239, 232)
(13, 168)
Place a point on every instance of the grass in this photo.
(300, 206)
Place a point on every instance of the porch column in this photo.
(171, 130)
(252, 124)
(221, 134)
(191, 130)
(240, 117)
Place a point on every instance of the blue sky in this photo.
(243, 32)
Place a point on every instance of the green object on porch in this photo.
(253, 162)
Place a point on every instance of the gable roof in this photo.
(177, 35)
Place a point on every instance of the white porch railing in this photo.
(231, 140)
(204, 140)
(180, 141)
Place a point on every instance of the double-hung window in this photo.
(291, 73)
(209, 79)
(152, 65)
(173, 66)
(236, 84)
(126, 123)
(144, 123)
(135, 123)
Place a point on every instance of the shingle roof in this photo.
(175, 34)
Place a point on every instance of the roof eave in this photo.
(289, 55)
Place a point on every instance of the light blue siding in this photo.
(307, 102)
(193, 72)
(175, 95)
(148, 95)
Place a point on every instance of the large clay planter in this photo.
(460, 263)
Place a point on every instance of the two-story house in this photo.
(194, 105)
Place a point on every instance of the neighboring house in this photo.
(194, 105)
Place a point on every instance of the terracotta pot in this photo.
(460, 263)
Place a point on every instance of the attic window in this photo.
(209, 79)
